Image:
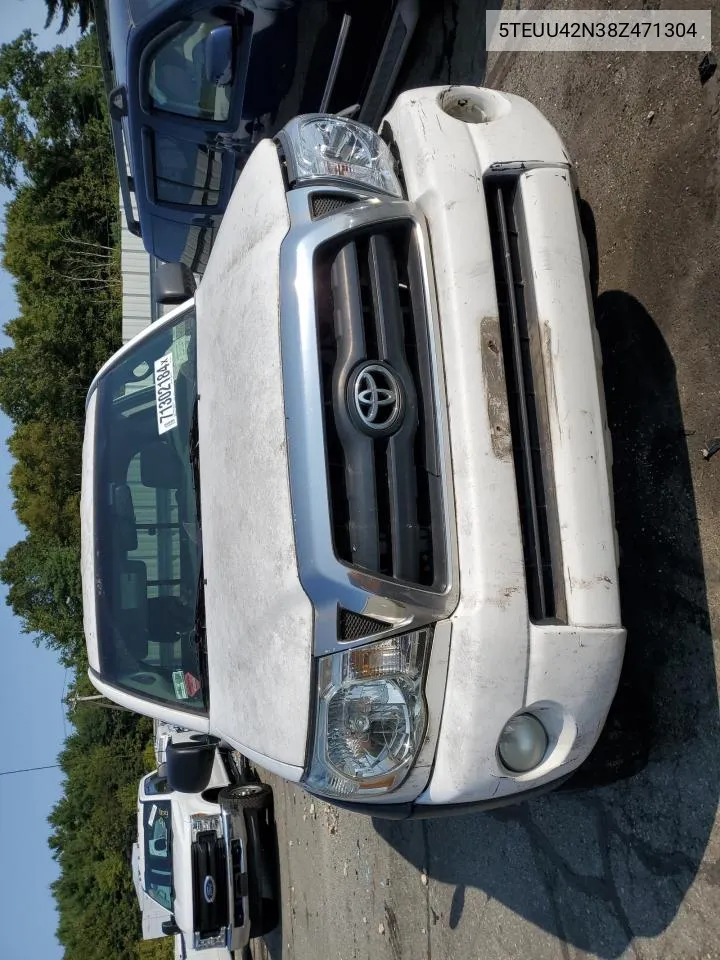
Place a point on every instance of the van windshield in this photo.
(157, 824)
(148, 553)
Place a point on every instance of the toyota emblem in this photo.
(375, 399)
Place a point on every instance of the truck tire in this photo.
(264, 917)
(255, 801)
(189, 764)
(246, 796)
(263, 871)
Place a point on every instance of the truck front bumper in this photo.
(502, 658)
(235, 834)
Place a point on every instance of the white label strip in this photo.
(165, 394)
(631, 31)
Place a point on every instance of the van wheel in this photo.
(246, 796)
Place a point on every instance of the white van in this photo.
(205, 866)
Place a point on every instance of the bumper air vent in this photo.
(527, 399)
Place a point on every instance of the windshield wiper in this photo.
(200, 638)
(194, 456)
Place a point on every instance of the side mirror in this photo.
(170, 927)
(117, 103)
(189, 765)
(218, 55)
(173, 283)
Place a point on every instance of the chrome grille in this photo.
(239, 882)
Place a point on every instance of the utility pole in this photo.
(99, 700)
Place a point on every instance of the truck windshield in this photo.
(158, 851)
(148, 554)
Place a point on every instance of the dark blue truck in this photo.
(194, 84)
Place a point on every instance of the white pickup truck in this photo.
(349, 508)
(205, 863)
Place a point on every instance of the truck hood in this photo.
(259, 619)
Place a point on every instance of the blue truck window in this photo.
(186, 173)
(177, 79)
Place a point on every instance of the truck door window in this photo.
(177, 79)
(186, 173)
(156, 785)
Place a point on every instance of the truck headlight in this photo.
(370, 716)
(326, 147)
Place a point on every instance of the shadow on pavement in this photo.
(268, 947)
(599, 865)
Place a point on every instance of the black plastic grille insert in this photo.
(324, 204)
(385, 492)
(209, 860)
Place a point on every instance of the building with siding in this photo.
(137, 268)
(137, 310)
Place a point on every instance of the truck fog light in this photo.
(523, 743)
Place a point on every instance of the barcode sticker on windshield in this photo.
(179, 683)
(165, 393)
(152, 814)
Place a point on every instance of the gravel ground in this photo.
(629, 868)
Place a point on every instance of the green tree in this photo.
(45, 478)
(61, 227)
(160, 949)
(45, 592)
(66, 9)
(93, 829)
(47, 97)
(61, 246)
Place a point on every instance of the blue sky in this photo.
(31, 715)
